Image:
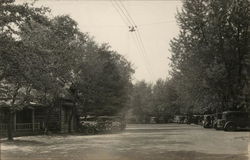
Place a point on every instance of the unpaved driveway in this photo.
(138, 142)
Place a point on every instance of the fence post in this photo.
(33, 120)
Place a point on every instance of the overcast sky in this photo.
(156, 26)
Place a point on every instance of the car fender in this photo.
(227, 123)
(215, 124)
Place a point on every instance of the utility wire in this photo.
(129, 16)
(127, 21)
(123, 12)
(137, 34)
(127, 24)
(117, 10)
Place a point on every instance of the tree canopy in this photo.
(44, 58)
(209, 57)
(209, 63)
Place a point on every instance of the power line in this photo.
(122, 11)
(141, 46)
(137, 34)
(117, 10)
(128, 21)
(133, 22)
(141, 52)
(122, 14)
(119, 26)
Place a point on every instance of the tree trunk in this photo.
(10, 125)
(47, 119)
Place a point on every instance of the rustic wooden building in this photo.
(39, 119)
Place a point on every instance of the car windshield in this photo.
(89, 119)
(219, 116)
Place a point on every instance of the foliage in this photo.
(210, 63)
(43, 59)
(159, 100)
(104, 80)
(141, 101)
(209, 55)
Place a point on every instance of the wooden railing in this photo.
(3, 126)
(22, 127)
(27, 126)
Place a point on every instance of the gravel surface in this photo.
(138, 142)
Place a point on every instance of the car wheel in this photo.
(215, 126)
(230, 127)
(91, 131)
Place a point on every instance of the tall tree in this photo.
(103, 80)
(141, 101)
(14, 85)
(209, 55)
(164, 102)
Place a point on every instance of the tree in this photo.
(165, 104)
(141, 101)
(103, 80)
(56, 45)
(44, 59)
(209, 55)
(14, 85)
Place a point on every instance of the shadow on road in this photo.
(24, 143)
(186, 155)
(168, 155)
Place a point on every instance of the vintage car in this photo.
(180, 119)
(233, 120)
(217, 119)
(88, 125)
(93, 125)
(111, 123)
(208, 121)
(197, 119)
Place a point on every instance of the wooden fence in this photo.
(22, 127)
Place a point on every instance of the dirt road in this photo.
(138, 142)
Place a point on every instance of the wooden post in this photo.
(33, 120)
(14, 123)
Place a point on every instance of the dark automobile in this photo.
(233, 120)
(197, 119)
(208, 121)
(217, 118)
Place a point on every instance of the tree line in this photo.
(210, 63)
(44, 58)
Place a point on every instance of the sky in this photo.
(147, 48)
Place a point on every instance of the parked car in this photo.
(233, 120)
(93, 125)
(196, 119)
(217, 118)
(88, 125)
(208, 121)
(180, 119)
